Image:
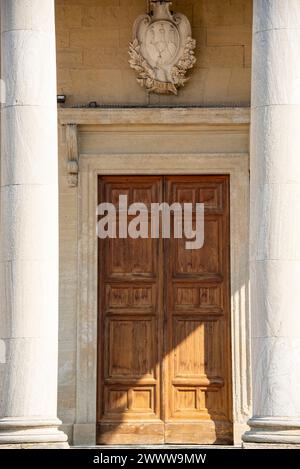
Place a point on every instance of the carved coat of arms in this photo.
(162, 49)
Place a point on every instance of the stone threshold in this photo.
(159, 447)
(196, 447)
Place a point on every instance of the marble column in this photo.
(29, 227)
(275, 223)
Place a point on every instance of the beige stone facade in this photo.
(92, 52)
(214, 142)
(203, 130)
(92, 65)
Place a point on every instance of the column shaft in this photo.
(275, 222)
(29, 226)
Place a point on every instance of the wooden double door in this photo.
(164, 356)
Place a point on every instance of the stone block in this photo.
(229, 35)
(247, 56)
(68, 16)
(62, 38)
(91, 38)
(69, 57)
(220, 57)
(219, 12)
(239, 87)
(84, 434)
(106, 58)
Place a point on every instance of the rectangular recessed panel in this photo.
(188, 339)
(198, 348)
(185, 194)
(117, 401)
(186, 399)
(113, 195)
(131, 257)
(144, 195)
(118, 297)
(196, 298)
(130, 297)
(210, 297)
(142, 296)
(187, 296)
(144, 192)
(216, 404)
(204, 261)
(142, 400)
(210, 194)
(130, 351)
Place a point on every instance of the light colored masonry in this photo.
(90, 44)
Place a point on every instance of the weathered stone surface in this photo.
(269, 446)
(275, 226)
(37, 446)
(277, 149)
(25, 158)
(276, 49)
(29, 227)
(276, 14)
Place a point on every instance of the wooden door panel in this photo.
(197, 314)
(132, 257)
(196, 190)
(120, 401)
(197, 354)
(164, 324)
(138, 189)
(205, 261)
(130, 298)
(130, 352)
(190, 297)
(130, 325)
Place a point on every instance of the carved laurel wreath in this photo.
(146, 76)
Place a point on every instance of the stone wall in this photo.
(92, 46)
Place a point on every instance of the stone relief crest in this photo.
(162, 50)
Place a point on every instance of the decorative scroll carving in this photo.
(162, 50)
(72, 154)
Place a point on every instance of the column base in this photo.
(272, 431)
(37, 446)
(31, 433)
(269, 446)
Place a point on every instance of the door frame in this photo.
(236, 165)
